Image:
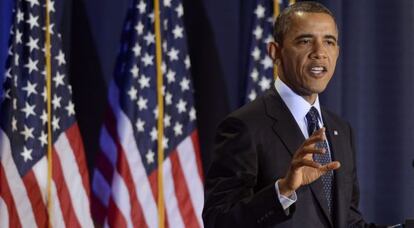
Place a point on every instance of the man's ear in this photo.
(273, 49)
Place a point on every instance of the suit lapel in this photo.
(284, 124)
(290, 134)
(336, 140)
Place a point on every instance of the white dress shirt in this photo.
(299, 107)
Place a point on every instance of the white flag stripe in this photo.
(125, 132)
(186, 156)
(70, 169)
(17, 189)
(56, 215)
(121, 197)
(171, 205)
(40, 172)
(4, 214)
(101, 188)
(108, 147)
(106, 225)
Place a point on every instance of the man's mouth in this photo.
(318, 70)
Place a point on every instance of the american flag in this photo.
(125, 179)
(23, 130)
(260, 68)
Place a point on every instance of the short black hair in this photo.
(282, 22)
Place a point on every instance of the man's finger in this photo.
(317, 136)
(310, 150)
(305, 162)
(330, 166)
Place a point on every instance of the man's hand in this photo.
(303, 170)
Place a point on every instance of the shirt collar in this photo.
(296, 104)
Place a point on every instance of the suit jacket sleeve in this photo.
(231, 197)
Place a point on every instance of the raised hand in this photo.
(303, 169)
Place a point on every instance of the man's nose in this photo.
(319, 51)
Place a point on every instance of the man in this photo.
(282, 161)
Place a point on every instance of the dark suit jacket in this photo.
(253, 148)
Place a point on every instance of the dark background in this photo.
(373, 87)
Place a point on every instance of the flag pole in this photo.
(49, 115)
(160, 123)
(276, 11)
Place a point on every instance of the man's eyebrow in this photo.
(302, 36)
(331, 37)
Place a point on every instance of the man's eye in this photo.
(330, 42)
(304, 41)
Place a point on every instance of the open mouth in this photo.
(318, 70)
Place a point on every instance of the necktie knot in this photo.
(312, 117)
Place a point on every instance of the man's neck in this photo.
(310, 98)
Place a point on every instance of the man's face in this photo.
(308, 55)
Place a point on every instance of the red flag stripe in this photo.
(72, 174)
(136, 210)
(130, 150)
(6, 195)
(35, 196)
(57, 219)
(99, 211)
(196, 147)
(124, 171)
(103, 175)
(73, 136)
(183, 195)
(63, 195)
(17, 190)
(188, 163)
(122, 200)
(104, 166)
(170, 197)
(115, 217)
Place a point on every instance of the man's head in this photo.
(305, 48)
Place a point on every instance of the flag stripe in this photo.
(101, 189)
(131, 126)
(79, 196)
(108, 146)
(104, 171)
(108, 158)
(170, 195)
(121, 197)
(184, 201)
(8, 207)
(100, 197)
(104, 165)
(78, 153)
(196, 148)
(35, 196)
(124, 170)
(68, 210)
(152, 178)
(115, 217)
(124, 128)
(24, 208)
(57, 216)
(40, 172)
(25, 126)
(4, 214)
(188, 162)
